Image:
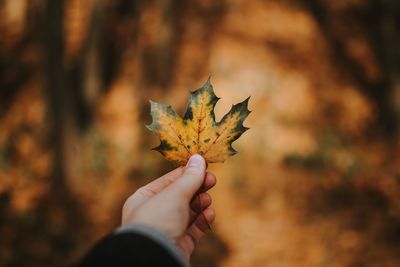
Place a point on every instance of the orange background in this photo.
(316, 179)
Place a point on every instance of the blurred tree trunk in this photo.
(390, 26)
(61, 208)
(71, 95)
(85, 81)
(156, 50)
(55, 88)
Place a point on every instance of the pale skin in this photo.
(176, 204)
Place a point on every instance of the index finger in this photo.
(159, 184)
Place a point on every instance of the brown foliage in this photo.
(317, 179)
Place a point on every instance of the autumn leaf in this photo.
(198, 132)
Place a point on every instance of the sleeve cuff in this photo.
(157, 237)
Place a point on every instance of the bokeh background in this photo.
(317, 178)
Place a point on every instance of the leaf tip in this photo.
(245, 104)
(208, 84)
(153, 104)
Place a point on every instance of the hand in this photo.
(176, 204)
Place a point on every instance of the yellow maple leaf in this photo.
(198, 132)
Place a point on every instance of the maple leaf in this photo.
(198, 132)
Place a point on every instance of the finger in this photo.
(198, 205)
(200, 202)
(201, 224)
(209, 182)
(159, 184)
(144, 193)
(192, 236)
(192, 178)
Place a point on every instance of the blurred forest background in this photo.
(317, 178)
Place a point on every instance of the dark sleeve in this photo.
(134, 246)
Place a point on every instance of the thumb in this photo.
(192, 177)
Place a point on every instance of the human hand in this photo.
(176, 204)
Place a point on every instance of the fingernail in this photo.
(195, 161)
